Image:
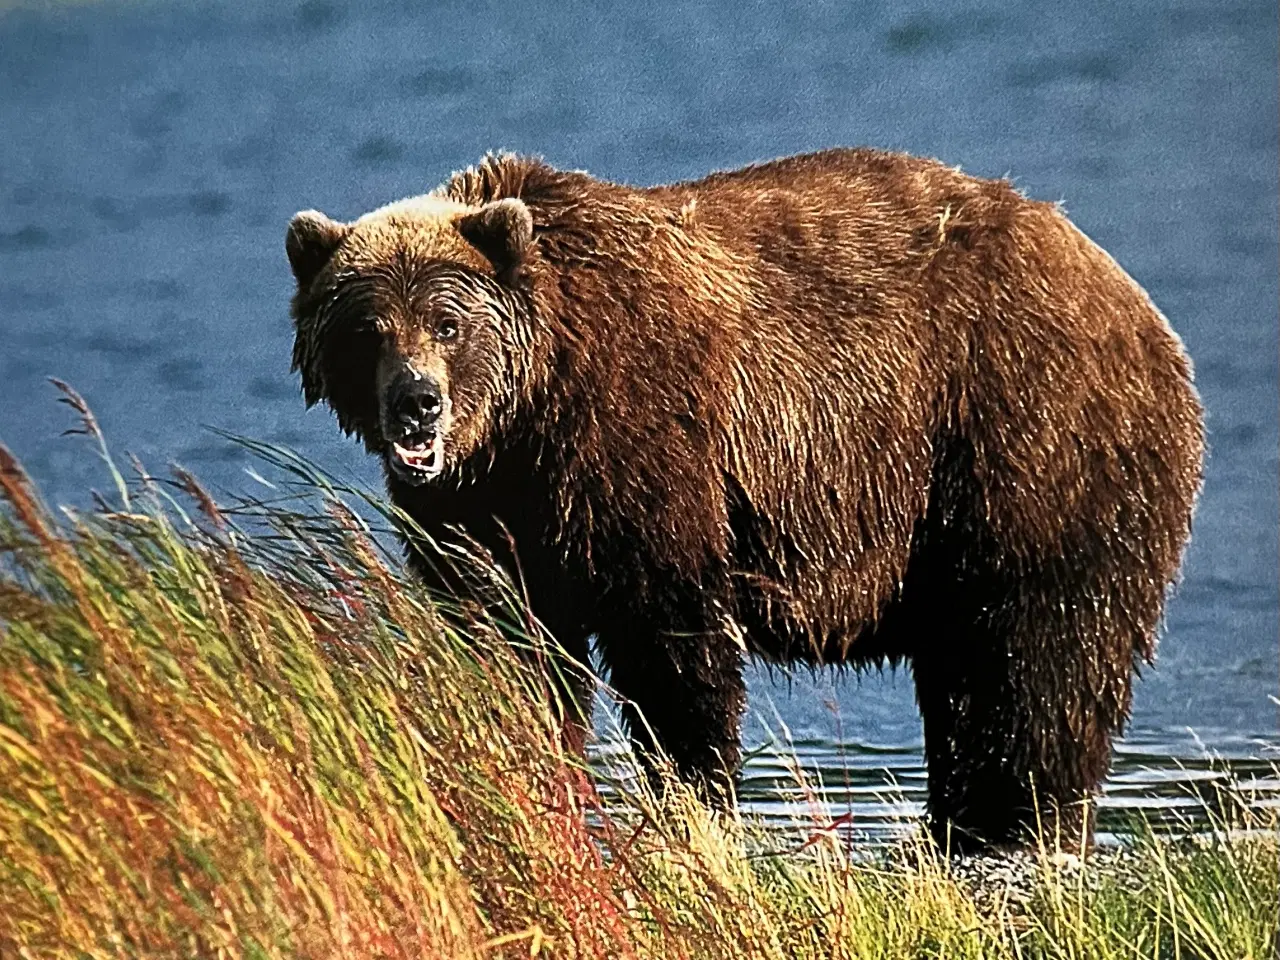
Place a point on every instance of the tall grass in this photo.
(244, 731)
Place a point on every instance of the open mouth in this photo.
(418, 457)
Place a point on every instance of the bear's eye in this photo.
(446, 330)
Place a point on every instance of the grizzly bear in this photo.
(845, 408)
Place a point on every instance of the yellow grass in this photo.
(250, 734)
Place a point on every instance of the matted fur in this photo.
(838, 408)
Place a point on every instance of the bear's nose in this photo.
(417, 403)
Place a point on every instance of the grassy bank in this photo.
(243, 732)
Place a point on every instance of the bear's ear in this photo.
(503, 232)
(310, 242)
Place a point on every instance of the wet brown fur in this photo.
(847, 407)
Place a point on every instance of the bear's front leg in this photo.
(683, 693)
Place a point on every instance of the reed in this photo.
(242, 730)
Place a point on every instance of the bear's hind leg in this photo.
(1021, 694)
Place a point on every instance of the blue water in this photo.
(151, 154)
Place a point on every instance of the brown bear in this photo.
(845, 408)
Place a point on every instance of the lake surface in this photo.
(151, 155)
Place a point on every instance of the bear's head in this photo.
(411, 324)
